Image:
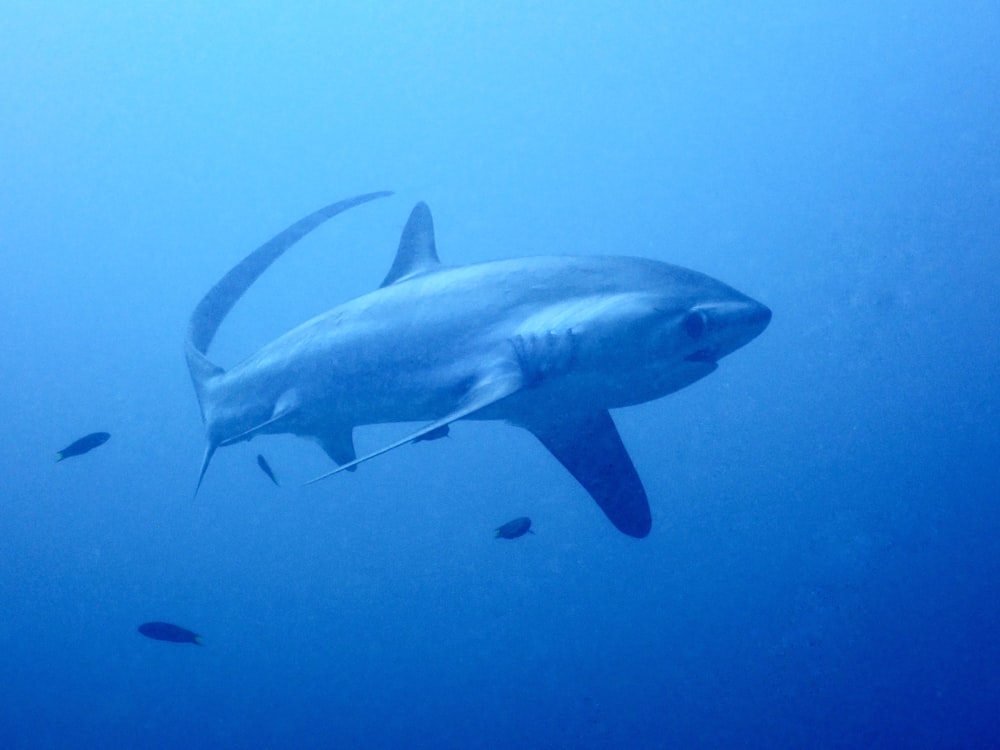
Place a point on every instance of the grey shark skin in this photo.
(549, 344)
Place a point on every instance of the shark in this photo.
(550, 344)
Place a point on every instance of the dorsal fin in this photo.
(417, 253)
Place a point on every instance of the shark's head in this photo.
(714, 329)
(673, 330)
(704, 325)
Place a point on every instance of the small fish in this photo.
(262, 463)
(514, 529)
(164, 631)
(83, 445)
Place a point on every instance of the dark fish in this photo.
(514, 529)
(164, 631)
(83, 445)
(266, 469)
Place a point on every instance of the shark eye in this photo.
(694, 324)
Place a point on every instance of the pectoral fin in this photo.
(591, 449)
(487, 391)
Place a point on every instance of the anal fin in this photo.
(590, 447)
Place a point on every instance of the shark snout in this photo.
(757, 317)
(722, 328)
(745, 322)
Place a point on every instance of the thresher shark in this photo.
(549, 343)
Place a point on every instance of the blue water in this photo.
(824, 566)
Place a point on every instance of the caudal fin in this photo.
(220, 299)
(205, 461)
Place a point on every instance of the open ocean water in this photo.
(824, 565)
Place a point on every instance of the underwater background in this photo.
(824, 565)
